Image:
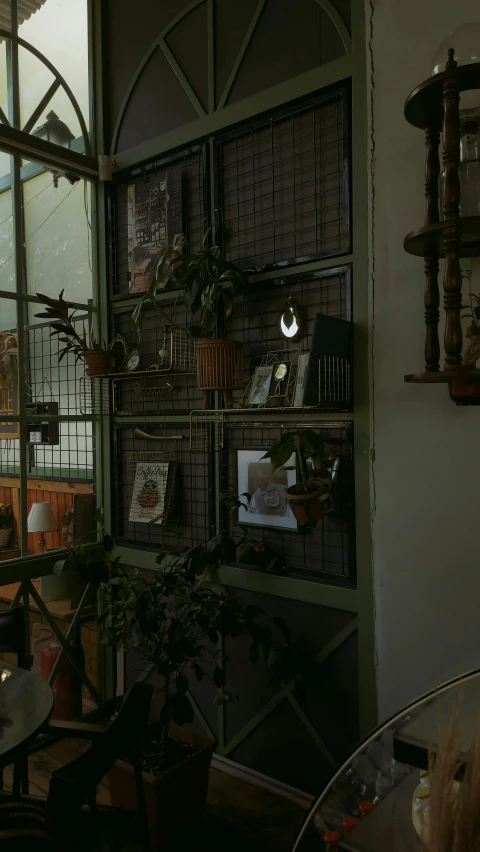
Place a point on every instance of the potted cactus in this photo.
(98, 360)
(211, 286)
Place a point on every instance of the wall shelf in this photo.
(430, 238)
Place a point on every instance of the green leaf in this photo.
(199, 673)
(314, 441)
(109, 543)
(218, 677)
(212, 635)
(282, 625)
(181, 708)
(252, 611)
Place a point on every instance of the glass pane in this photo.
(58, 241)
(7, 246)
(65, 453)
(8, 375)
(3, 77)
(59, 30)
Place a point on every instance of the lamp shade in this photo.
(41, 518)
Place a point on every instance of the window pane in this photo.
(58, 242)
(7, 247)
(59, 30)
(3, 78)
(8, 371)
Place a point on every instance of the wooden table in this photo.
(26, 702)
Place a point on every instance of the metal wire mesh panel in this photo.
(166, 376)
(283, 186)
(48, 380)
(256, 321)
(190, 165)
(70, 457)
(324, 552)
(189, 507)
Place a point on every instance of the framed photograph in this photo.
(154, 219)
(268, 505)
(260, 388)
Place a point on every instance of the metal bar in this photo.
(18, 595)
(276, 96)
(41, 106)
(72, 627)
(3, 117)
(13, 141)
(241, 53)
(287, 689)
(181, 77)
(68, 650)
(338, 22)
(211, 55)
(26, 611)
(312, 731)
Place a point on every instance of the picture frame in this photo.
(268, 506)
(260, 387)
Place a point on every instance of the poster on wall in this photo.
(268, 506)
(147, 504)
(154, 220)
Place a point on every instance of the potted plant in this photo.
(6, 520)
(211, 286)
(306, 497)
(173, 620)
(98, 361)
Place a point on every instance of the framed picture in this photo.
(268, 505)
(147, 504)
(154, 219)
(262, 379)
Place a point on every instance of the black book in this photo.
(330, 352)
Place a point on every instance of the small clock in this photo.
(132, 361)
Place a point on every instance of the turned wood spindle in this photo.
(452, 278)
(432, 294)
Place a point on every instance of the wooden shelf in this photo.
(424, 107)
(442, 377)
(428, 240)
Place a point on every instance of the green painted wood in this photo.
(338, 21)
(241, 53)
(199, 716)
(312, 731)
(211, 55)
(181, 77)
(299, 86)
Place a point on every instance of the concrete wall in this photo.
(426, 470)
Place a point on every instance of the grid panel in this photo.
(190, 511)
(328, 550)
(256, 320)
(191, 164)
(283, 187)
(148, 390)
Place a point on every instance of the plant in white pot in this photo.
(98, 360)
(211, 285)
(173, 620)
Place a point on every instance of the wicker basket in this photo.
(4, 537)
(218, 364)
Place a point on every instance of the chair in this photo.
(13, 641)
(71, 813)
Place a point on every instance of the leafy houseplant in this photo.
(99, 361)
(211, 286)
(305, 497)
(174, 620)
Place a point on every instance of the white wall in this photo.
(426, 529)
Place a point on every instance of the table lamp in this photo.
(41, 519)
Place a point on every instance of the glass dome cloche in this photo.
(465, 41)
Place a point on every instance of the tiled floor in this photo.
(239, 817)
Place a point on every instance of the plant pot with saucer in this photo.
(211, 285)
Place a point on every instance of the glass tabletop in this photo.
(26, 702)
(376, 799)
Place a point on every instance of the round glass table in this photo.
(26, 702)
(375, 800)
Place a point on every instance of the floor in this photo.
(238, 816)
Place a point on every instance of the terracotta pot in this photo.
(175, 799)
(99, 361)
(218, 367)
(306, 505)
(464, 391)
(4, 537)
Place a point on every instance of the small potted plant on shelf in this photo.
(98, 360)
(173, 621)
(6, 521)
(211, 286)
(306, 498)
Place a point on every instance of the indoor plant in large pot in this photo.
(210, 285)
(98, 360)
(172, 619)
(306, 498)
